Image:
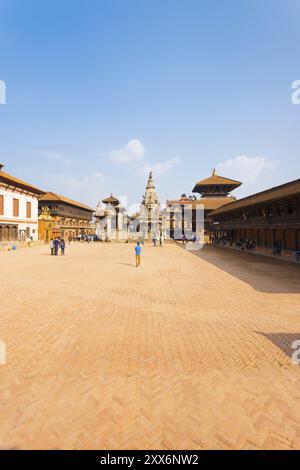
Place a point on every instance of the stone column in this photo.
(108, 228)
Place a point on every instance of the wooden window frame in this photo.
(16, 207)
(1, 204)
(28, 210)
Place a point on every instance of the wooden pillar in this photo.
(273, 237)
(295, 239)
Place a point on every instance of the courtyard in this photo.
(190, 351)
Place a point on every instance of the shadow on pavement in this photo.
(262, 273)
(283, 341)
(128, 264)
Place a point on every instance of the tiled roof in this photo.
(16, 182)
(210, 203)
(136, 215)
(289, 189)
(111, 200)
(57, 197)
(215, 179)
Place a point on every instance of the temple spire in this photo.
(150, 183)
(150, 196)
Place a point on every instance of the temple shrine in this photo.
(215, 192)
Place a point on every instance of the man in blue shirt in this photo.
(56, 245)
(138, 250)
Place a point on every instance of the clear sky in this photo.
(99, 91)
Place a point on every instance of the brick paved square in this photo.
(189, 351)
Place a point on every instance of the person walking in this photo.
(62, 247)
(138, 250)
(52, 246)
(56, 245)
(161, 240)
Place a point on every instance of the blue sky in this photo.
(100, 91)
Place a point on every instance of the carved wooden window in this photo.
(16, 207)
(28, 210)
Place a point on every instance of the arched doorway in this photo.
(298, 240)
(290, 239)
(277, 235)
(14, 233)
(253, 235)
(6, 234)
(261, 238)
(268, 235)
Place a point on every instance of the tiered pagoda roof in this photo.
(215, 185)
(112, 200)
(214, 192)
(209, 203)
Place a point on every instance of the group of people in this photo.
(158, 239)
(242, 244)
(84, 238)
(246, 244)
(57, 244)
(189, 239)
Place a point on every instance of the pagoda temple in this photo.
(111, 220)
(216, 186)
(215, 192)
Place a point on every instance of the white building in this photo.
(18, 209)
(111, 220)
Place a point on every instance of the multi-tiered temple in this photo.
(215, 192)
(150, 212)
(180, 218)
(111, 220)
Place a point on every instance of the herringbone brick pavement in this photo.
(186, 352)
